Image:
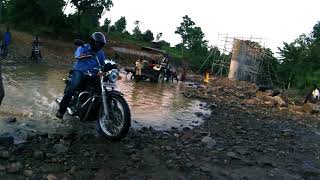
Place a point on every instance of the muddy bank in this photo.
(238, 141)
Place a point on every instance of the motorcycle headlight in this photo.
(113, 75)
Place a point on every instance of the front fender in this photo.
(114, 92)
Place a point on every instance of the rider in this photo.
(36, 44)
(97, 41)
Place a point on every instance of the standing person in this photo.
(183, 76)
(174, 75)
(206, 77)
(138, 69)
(168, 74)
(314, 95)
(6, 42)
(7, 37)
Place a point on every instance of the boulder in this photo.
(310, 108)
(209, 141)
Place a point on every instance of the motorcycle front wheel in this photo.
(117, 125)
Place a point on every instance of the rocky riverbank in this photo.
(245, 137)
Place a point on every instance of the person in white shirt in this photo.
(314, 95)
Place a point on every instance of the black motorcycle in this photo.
(98, 100)
(36, 54)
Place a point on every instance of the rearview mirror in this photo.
(78, 42)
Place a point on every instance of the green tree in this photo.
(136, 31)
(48, 12)
(184, 30)
(148, 36)
(121, 24)
(192, 36)
(299, 65)
(88, 14)
(193, 45)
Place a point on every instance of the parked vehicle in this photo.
(154, 70)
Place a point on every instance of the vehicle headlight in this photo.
(113, 75)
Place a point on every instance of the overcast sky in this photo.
(274, 20)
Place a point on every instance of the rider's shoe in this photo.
(59, 115)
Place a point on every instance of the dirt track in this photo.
(238, 141)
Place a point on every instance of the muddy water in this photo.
(31, 92)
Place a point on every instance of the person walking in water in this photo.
(138, 69)
(5, 43)
(183, 76)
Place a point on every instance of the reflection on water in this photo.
(31, 92)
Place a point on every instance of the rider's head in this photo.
(97, 41)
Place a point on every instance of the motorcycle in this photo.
(98, 100)
(36, 54)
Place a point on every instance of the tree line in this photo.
(298, 66)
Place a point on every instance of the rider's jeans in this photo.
(71, 87)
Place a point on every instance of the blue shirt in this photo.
(7, 38)
(88, 64)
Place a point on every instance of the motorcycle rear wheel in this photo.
(117, 126)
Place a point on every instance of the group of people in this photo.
(4, 47)
(7, 38)
(170, 73)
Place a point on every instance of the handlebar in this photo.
(84, 57)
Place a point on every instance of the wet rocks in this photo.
(60, 148)
(14, 167)
(212, 105)
(39, 155)
(241, 150)
(310, 108)
(2, 168)
(279, 101)
(199, 114)
(28, 173)
(86, 154)
(233, 155)
(4, 154)
(51, 177)
(308, 168)
(209, 142)
(6, 140)
(11, 120)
